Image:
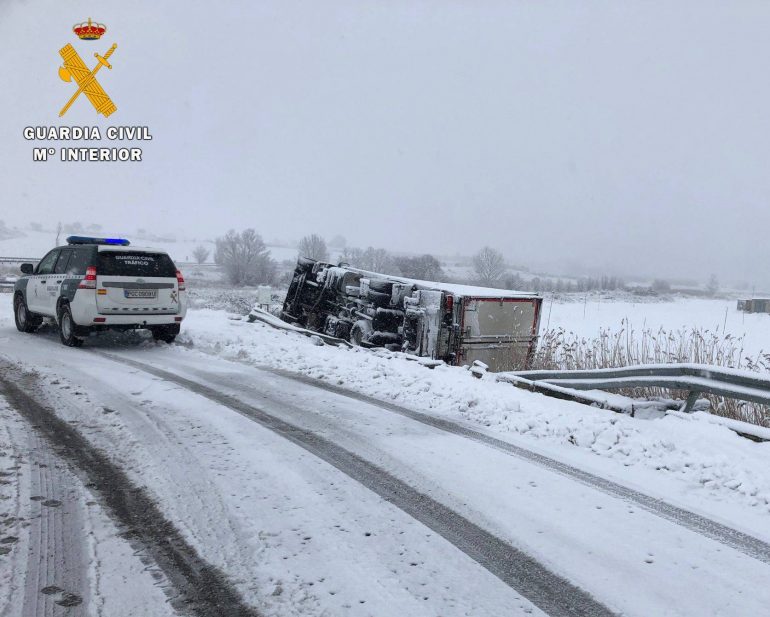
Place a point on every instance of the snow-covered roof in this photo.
(129, 249)
(453, 288)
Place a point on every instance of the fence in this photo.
(18, 260)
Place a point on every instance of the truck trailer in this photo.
(458, 324)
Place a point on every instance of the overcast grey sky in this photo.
(627, 136)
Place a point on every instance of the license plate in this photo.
(140, 293)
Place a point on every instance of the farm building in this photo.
(755, 305)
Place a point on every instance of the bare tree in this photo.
(313, 247)
(200, 254)
(378, 260)
(372, 259)
(244, 258)
(425, 267)
(58, 232)
(351, 255)
(489, 266)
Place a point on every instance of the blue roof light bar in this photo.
(90, 240)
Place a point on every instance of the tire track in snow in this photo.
(56, 562)
(200, 588)
(544, 588)
(745, 543)
(738, 540)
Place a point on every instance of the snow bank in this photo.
(694, 453)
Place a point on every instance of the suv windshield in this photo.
(116, 263)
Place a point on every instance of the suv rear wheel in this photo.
(25, 321)
(67, 328)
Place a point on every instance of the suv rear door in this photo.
(136, 282)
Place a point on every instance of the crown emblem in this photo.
(89, 31)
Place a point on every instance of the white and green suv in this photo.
(95, 284)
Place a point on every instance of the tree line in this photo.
(246, 260)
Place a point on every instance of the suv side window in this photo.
(46, 264)
(61, 263)
(79, 261)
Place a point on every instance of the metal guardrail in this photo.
(696, 379)
(18, 260)
(258, 314)
(5, 285)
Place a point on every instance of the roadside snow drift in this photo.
(698, 458)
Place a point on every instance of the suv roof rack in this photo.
(90, 240)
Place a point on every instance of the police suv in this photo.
(95, 284)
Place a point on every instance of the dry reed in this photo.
(562, 350)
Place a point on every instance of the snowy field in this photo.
(586, 318)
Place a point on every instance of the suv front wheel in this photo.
(67, 328)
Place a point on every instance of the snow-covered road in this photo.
(313, 502)
(62, 553)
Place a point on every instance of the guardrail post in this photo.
(692, 398)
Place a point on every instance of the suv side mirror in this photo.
(27, 268)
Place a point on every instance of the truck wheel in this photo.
(359, 333)
(67, 328)
(25, 321)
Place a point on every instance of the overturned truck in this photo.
(458, 324)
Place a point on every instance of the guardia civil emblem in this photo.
(85, 78)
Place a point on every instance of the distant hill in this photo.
(35, 244)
